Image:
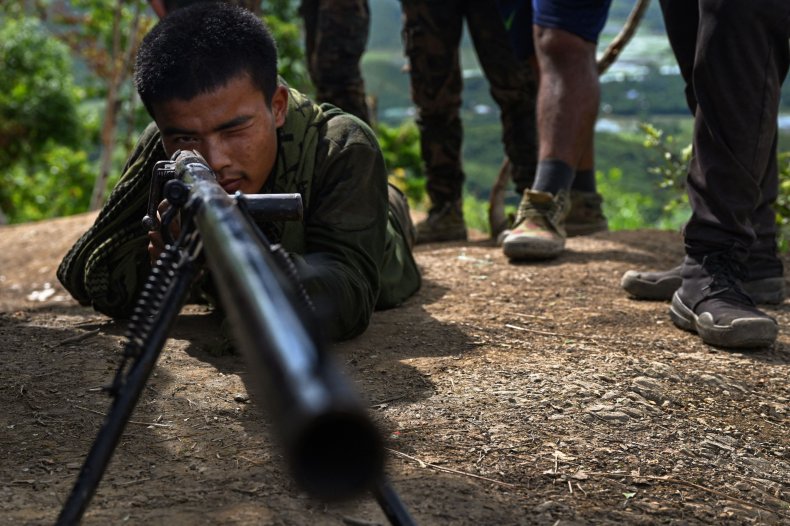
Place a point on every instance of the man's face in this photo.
(233, 129)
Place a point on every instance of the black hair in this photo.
(172, 5)
(199, 48)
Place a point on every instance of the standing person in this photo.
(336, 34)
(567, 107)
(586, 211)
(735, 152)
(432, 35)
(207, 74)
(734, 57)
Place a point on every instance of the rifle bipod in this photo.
(163, 294)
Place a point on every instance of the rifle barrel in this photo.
(331, 444)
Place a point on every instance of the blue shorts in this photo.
(584, 18)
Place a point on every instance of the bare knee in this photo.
(559, 47)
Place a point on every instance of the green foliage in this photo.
(56, 183)
(483, 152)
(783, 202)
(672, 166)
(43, 170)
(646, 96)
(476, 213)
(401, 149)
(22, 9)
(278, 14)
(627, 210)
(38, 98)
(49, 128)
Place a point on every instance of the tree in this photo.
(38, 107)
(107, 35)
(38, 98)
(44, 46)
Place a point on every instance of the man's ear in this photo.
(159, 8)
(280, 105)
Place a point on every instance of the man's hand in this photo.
(156, 244)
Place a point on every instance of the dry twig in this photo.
(155, 424)
(78, 338)
(682, 482)
(450, 470)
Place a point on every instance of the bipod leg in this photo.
(167, 289)
(391, 504)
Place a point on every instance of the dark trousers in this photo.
(432, 35)
(336, 33)
(734, 56)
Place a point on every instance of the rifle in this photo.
(331, 445)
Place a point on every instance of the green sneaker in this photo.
(586, 214)
(538, 232)
(444, 223)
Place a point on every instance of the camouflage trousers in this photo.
(431, 35)
(336, 32)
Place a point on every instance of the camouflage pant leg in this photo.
(431, 38)
(336, 32)
(513, 87)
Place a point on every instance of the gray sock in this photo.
(553, 175)
(584, 181)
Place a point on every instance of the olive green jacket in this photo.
(350, 249)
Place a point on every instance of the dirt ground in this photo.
(507, 394)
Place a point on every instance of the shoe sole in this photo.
(642, 289)
(742, 334)
(535, 249)
(766, 291)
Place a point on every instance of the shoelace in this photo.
(550, 210)
(727, 273)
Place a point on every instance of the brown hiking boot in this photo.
(538, 232)
(586, 214)
(445, 222)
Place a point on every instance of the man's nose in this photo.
(216, 155)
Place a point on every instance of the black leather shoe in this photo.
(661, 285)
(712, 303)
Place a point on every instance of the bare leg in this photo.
(569, 79)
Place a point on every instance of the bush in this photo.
(43, 171)
(783, 202)
(57, 183)
(38, 99)
(401, 149)
(673, 172)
